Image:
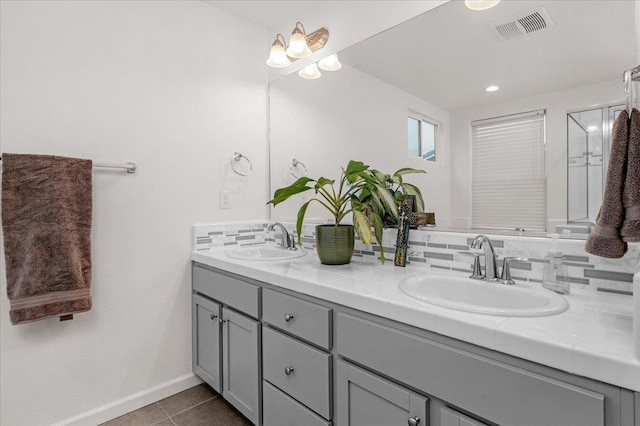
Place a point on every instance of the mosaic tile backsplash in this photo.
(429, 247)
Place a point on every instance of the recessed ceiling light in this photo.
(492, 88)
(480, 4)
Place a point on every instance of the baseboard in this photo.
(132, 402)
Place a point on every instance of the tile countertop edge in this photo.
(605, 367)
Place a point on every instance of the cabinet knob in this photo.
(414, 421)
(288, 317)
(222, 321)
(213, 316)
(288, 370)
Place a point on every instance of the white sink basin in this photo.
(264, 253)
(482, 297)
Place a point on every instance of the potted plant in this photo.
(359, 192)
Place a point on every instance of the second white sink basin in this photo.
(264, 253)
(469, 295)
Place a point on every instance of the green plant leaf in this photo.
(389, 202)
(407, 170)
(355, 167)
(284, 195)
(301, 213)
(363, 228)
(381, 177)
(300, 185)
(397, 179)
(322, 181)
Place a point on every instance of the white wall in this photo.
(557, 105)
(176, 86)
(349, 115)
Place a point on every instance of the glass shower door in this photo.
(588, 146)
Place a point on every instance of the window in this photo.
(508, 188)
(423, 138)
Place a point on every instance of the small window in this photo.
(422, 138)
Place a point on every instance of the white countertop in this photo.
(593, 338)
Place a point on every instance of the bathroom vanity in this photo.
(299, 343)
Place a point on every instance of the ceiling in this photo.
(449, 55)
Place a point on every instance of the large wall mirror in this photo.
(437, 66)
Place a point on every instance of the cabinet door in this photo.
(241, 362)
(205, 341)
(364, 399)
(449, 417)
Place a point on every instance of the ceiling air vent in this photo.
(525, 23)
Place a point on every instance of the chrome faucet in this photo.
(491, 270)
(287, 241)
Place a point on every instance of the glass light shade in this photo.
(298, 47)
(480, 4)
(330, 63)
(277, 57)
(310, 72)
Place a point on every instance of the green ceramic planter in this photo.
(334, 244)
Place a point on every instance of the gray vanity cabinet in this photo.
(288, 359)
(206, 340)
(364, 399)
(226, 338)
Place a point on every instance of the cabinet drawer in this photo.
(227, 289)
(280, 410)
(310, 380)
(306, 320)
(498, 392)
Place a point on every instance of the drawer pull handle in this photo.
(288, 370)
(414, 421)
(288, 317)
(213, 316)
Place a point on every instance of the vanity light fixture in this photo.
(310, 72)
(300, 46)
(330, 63)
(492, 88)
(277, 57)
(480, 4)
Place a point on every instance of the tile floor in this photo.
(198, 406)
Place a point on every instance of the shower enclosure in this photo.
(588, 146)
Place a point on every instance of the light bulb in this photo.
(480, 4)
(277, 57)
(298, 47)
(492, 88)
(330, 63)
(310, 72)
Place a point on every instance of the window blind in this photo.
(508, 188)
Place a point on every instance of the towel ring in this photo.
(296, 165)
(236, 159)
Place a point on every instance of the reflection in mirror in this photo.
(589, 143)
(438, 65)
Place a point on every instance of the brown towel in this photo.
(605, 240)
(631, 194)
(46, 220)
